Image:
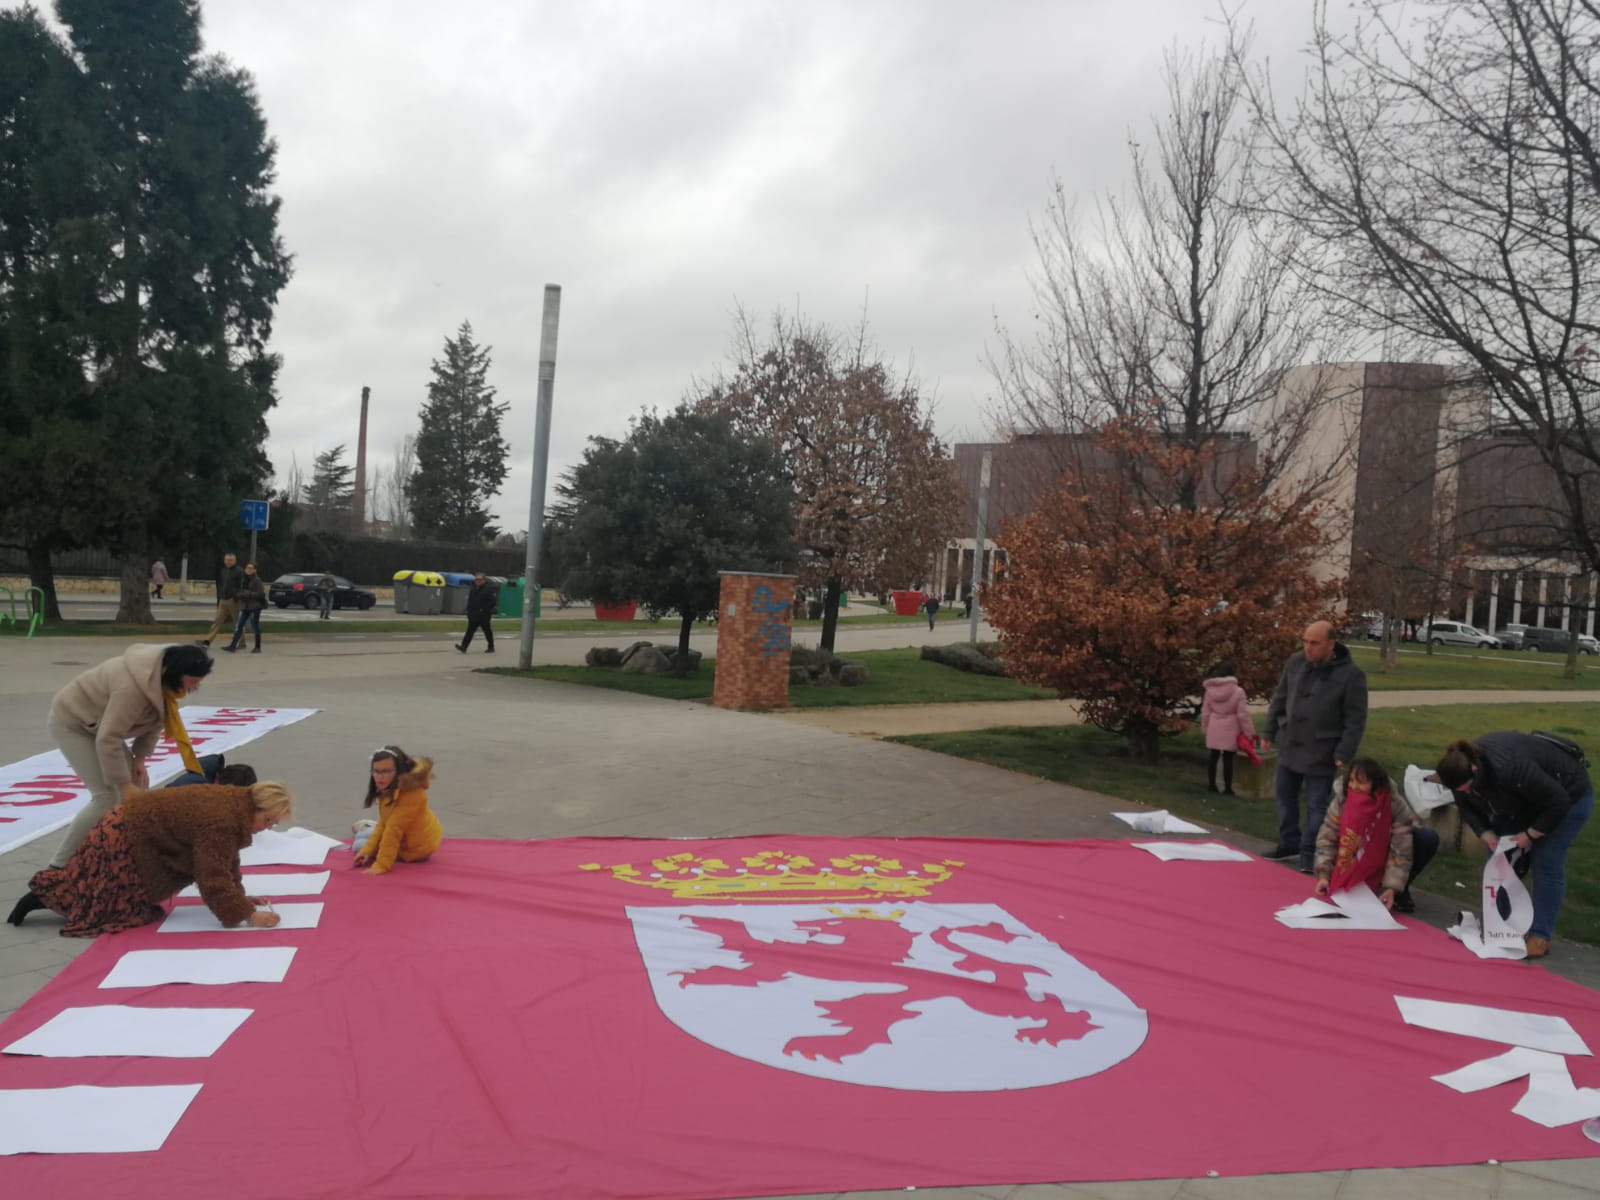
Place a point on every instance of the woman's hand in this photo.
(1522, 841)
(141, 776)
(361, 860)
(256, 900)
(264, 920)
(1322, 887)
(1387, 896)
(1492, 840)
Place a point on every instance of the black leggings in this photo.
(1227, 757)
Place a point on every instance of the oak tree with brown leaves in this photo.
(875, 491)
(1124, 598)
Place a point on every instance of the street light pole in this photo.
(541, 463)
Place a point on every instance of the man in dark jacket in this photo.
(228, 581)
(1320, 707)
(481, 601)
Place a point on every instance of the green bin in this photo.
(510, 598)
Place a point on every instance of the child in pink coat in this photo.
(1224, 719)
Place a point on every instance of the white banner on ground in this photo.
(40, 795)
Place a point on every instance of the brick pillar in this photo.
(753, 618)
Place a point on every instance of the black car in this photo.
(301, 588)
(1556, 641)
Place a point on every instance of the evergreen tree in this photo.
(461, 457)
(166, 276)
(658, 515)
(327, 497)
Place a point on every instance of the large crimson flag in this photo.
(754, 1016)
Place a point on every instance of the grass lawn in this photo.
(1090, 758)
(896, 677)
(1489, 671)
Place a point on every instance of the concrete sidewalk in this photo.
(530, 759)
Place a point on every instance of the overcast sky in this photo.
(665, 161)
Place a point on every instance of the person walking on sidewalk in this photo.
(326, 586)
(228, 581)
(1320, 709)
(158, 578)
(931, 604)
(481, 601)
(252, 599)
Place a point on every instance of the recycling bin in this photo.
(457, 587)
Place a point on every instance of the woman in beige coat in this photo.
(129, 699)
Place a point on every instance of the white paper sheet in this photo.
(118, 1031)
(91, 1120)
(1160, 821)
(1536, 1031)
(295, 847)
(197, 918)
(1422, 795)
(1469, 933)
(1551, 1099)
(1356, 908)
(275, 883)
(151, 968)
(1194, 851)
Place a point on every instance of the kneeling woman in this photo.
(152, 845)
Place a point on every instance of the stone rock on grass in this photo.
(853, 674)
(603, 656)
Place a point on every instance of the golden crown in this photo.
(779, 875)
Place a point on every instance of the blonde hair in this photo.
(272, 799)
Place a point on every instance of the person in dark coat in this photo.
(1317, 714)
(252, 600)
(931, 607)
(481, 601)
(1535, 789)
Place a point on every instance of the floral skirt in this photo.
(99, 890)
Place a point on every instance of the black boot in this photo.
(29, 903)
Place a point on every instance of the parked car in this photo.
(1556, 641)
(1512, 637)
(301, 588)
(1457, 633)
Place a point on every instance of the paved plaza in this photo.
(528, 759)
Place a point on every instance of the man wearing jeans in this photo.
(1320, 708)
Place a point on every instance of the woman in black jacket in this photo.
(252, 599)
(1534, 789)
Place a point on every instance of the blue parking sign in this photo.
(253, 513)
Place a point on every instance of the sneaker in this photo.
(257, 650)
(490, 650)
(1305, 869)
(1281, 853)
(1403, 903)
(1537, 946)
(229, 649)
(460, 649)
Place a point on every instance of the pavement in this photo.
(524, 758)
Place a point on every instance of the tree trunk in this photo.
(1144, 741)
(43, 576)
(830, 612)
(134, 608)
(680, 663)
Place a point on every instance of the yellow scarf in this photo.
(172, 726)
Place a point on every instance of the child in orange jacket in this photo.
(406, 828)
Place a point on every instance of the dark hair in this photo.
(403, 763)
(237, 775)
(1455, 768)
(1223, 669)
(178, 661)
(1373, 770)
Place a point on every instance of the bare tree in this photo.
(390, 499)
(875, 489)
(1443, 170)
(1176, 308)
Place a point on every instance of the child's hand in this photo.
(1387, 896)
(361, 860)
(1322, 887)
(373, 871)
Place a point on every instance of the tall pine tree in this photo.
(461, 457)
(170, 267)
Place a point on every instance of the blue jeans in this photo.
(1548, 865)
(248, 618)
(1286, 790)
(209, 763)
(1424, 845)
